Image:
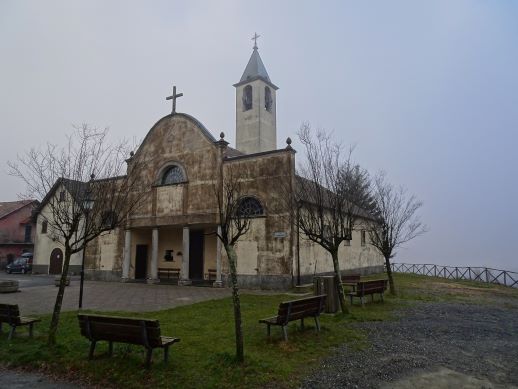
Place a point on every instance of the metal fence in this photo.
(482, 274)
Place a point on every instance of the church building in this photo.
(171, 238)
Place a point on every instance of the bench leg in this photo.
(302, 323)
(110, 348)
(351, 297)
(30, 329)
(149, 353)
(92, 349)
(285, 333)
(363, 302)
(166, 354)
(317, 323)
(11, 333)
(267, 329)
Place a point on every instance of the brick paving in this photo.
(112, 296)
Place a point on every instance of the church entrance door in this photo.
(56, 261)
(196, 255)
(141, 262)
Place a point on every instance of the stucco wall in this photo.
(265, 252)
(44, 243)
(316, 260)
(177, 139)
(256, 127)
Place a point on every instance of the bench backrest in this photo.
(9, 313)
(374, 286)
(298, 309)
(351, 278)
(120, 329)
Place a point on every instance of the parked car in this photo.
(21, 264)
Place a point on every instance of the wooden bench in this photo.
(211, 274)
(143, 332)
(169, 271)
(10, 314)
(351, 280)
(296, 310)
(365, 288)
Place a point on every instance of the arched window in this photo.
(268, 99)
(173, 175)
(247, 98)
(249, 207)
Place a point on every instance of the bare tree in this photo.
(233, 224)
(396, 221)
(84, 192)
(332, 193)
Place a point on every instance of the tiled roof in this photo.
(8, 207)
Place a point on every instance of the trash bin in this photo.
(326, 285)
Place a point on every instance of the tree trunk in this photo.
(390, 277)
(59, 298)
(232, 260)
(338, 282)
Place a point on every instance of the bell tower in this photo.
(256, 127)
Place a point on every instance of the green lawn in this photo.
(204, 357)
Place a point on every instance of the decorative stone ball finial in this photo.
(92, 176)
(222, 135)
(288, 142)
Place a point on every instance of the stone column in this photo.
(184, 276)
(218, 283)
(126, 263)
(154, 257)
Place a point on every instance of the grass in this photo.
(204, 357)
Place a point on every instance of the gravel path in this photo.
(434, 345)
(23, 380)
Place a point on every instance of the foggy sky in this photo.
(426, 90)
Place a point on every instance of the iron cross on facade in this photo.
(254, 38)
(173, 97)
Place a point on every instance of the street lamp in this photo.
(88, 204)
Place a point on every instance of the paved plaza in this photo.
(38, 294)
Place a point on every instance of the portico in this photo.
(181, 253)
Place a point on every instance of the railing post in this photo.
(505, 281)
(469, 273)
(435, 270)
(487, 276)
(456, 273)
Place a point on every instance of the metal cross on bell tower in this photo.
(173, 97)
(254, 38)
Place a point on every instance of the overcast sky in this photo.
(427, 91)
